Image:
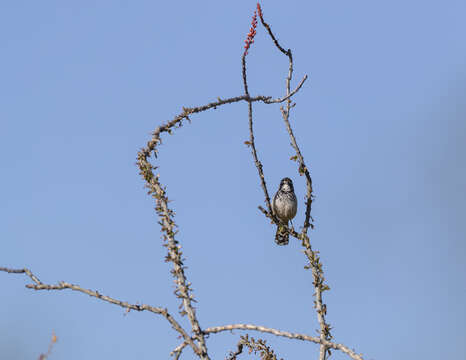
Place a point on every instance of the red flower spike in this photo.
(252, 32)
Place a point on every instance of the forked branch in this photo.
(183, 291)
(38, 285)
(167, 222)
(314, 261)
(256, 346)
(289, 335)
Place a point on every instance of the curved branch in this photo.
(279, 100)
(257, 346)
(64, 285)
(146, 170)
(314, 339)
(314, 260)
(177, 351)
(157, 191)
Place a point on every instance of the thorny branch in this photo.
(177, 351)
(257, 346)
(38, 285)
(312, 256)
(289, 335)
(169, 228)
(167, 223)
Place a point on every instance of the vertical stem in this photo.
(252, 143)
(315, 265)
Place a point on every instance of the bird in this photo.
(284, 206)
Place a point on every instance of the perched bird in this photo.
(284, 206)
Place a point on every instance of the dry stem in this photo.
(167, 222)
(169, 227)
(64, 285)
(316, 267)
(177, 351)
(289, 335)
(257, 346)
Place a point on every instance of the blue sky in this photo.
(381, 124)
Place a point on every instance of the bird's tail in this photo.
(281, 236)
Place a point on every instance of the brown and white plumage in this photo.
(284, 206)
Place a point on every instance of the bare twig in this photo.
(320, 287)
(289, 335)
(288, 96)
(251, 143)
(302, 169)
(184, 115)
(177, 351)
(257, 346)
(167, 222)
(286, 113)
(261, 16)
(183, 290)
(168, 226)
(169, 229)
(239, 350)
(22, 271)
(64, 285)
(158, 192)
